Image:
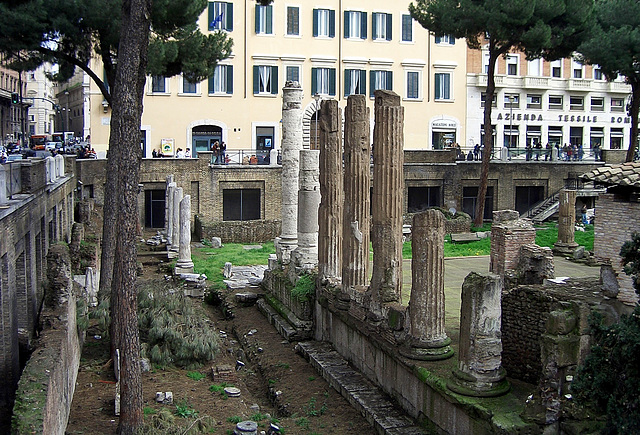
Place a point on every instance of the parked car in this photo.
(50, 146)
(13, 148)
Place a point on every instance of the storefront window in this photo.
(616, 138)
(443, 139)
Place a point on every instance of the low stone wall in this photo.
(461, 224)
(280, 288)
(237, 231)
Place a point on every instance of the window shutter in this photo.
(363, 25)
(389, 80)
(315, 22)
(314, 81)
(438, 38)
(389, 27)
(210, 82)
(229, 16)
(269, 19)
(362, 86)
(406, 28)
(347, 26)
(332, 24)
(436, 83)
(256, 79)
(274, 80)
(257, 18)
(347, 82)
(374, 28)
(229, 79)
(332, 81)
(447, 86)
(452, 40)
(211, 15)
(372, 81)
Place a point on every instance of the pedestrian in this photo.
(154, 153)
(585, 221)
(476, 152)
(180, 153)
(547, 152)
(222, 151)
(187, 153)
(216, 149)
(470, 156)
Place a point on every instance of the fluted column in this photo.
(331, 191)
(166, 204)
(305, 256)
(291, 146)
(184, 263)
(357, 194)
(566, 222)
(427, 337)
(388, 191)
(171, 187)
(177, 197)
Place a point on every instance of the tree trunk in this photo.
(488, 135)
(125, 138)
(635, 108)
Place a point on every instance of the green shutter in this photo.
(211, 16)
(363, 25)
(372, 80)
(256, 80)
(332, 23)
(389, 81)
(314, 81)
(332, 81)
(362, 87)
(347, 82)
(315, 22)
(257, 18)
(269, 19)
(229, 79)
(229, 17)
(373, 25)
(210, 84)
(389, 27)
(406, 28)
(346, 24)
(274, 80)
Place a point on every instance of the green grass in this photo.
(196, 376)
(549, 236)
(211, 261)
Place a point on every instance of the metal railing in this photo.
(244, 157)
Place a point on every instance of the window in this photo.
(220, 16)
(556, 68)
(355, 24)
(511, 136)
(265, 80)
(577, 73)
(576, 103)
(617, 104)
(534, 68)
(422, 198)
(616, 139)
(189, 87)
(555, 102)
(355, 82)
(381, 24)
(158, 84)
(380, 80)
(293, 74)
(445, 39)
(483, 100)
(597, 74)
(512, 65)
(293, 20)
(324, 23)
(264, 20)
(442, 86)
(469, 198)
(597, 104)
(222, 80)
(323, 81)
(407, 28)
(240, 204)
(511, 101)
(413, 85)
(534, 101)
(527, 197)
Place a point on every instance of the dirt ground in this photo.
(275, 383)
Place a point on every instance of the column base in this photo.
(284, 248)
(564, 248)
(423, 351)
(184, 267)
(469, 385)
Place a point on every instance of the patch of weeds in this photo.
(196, 376)
(272, 381)
(219, 388)
(235, 419)
(304, 288)
(258, 417)
(312, 378)
(184, 410)
(325, 394)
(311, 409)
(147, 410)
(283, 365)
(303, 422)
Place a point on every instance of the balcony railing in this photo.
(245, 157)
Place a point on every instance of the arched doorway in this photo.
(203, 136)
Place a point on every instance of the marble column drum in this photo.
(427, 339)
(566, 222)
(480, 371)
(331, 192)
(184, 263)
(291, 146)
(357, 194)
(388, 191)
(305, 256)
(177, 197)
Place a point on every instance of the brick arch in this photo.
(308, 117)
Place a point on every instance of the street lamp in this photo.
(316, 97)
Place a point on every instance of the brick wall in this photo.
(506, 240)
(616, 219)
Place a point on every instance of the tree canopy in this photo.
(69, 34)
(614, 45)
(550, 29)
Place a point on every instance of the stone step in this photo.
(281, 324)
(373, 404)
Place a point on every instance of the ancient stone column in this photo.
(357, 193)
(184, 263)
(175, 222)
(169, 211)
(291, 146)
(566, 222)
(166, 204)
(305, 256)
(427, 337)
(480, 371)
(331, 191)
(508, 234)
(388, 192)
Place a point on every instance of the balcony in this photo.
(619, 87)
(536, 82)
(582, 85)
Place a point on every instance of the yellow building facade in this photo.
(333, 48)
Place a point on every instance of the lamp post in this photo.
(316, 97)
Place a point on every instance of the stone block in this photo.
(563, 349)
(561, 322)
(216, 242)
(609, 281)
